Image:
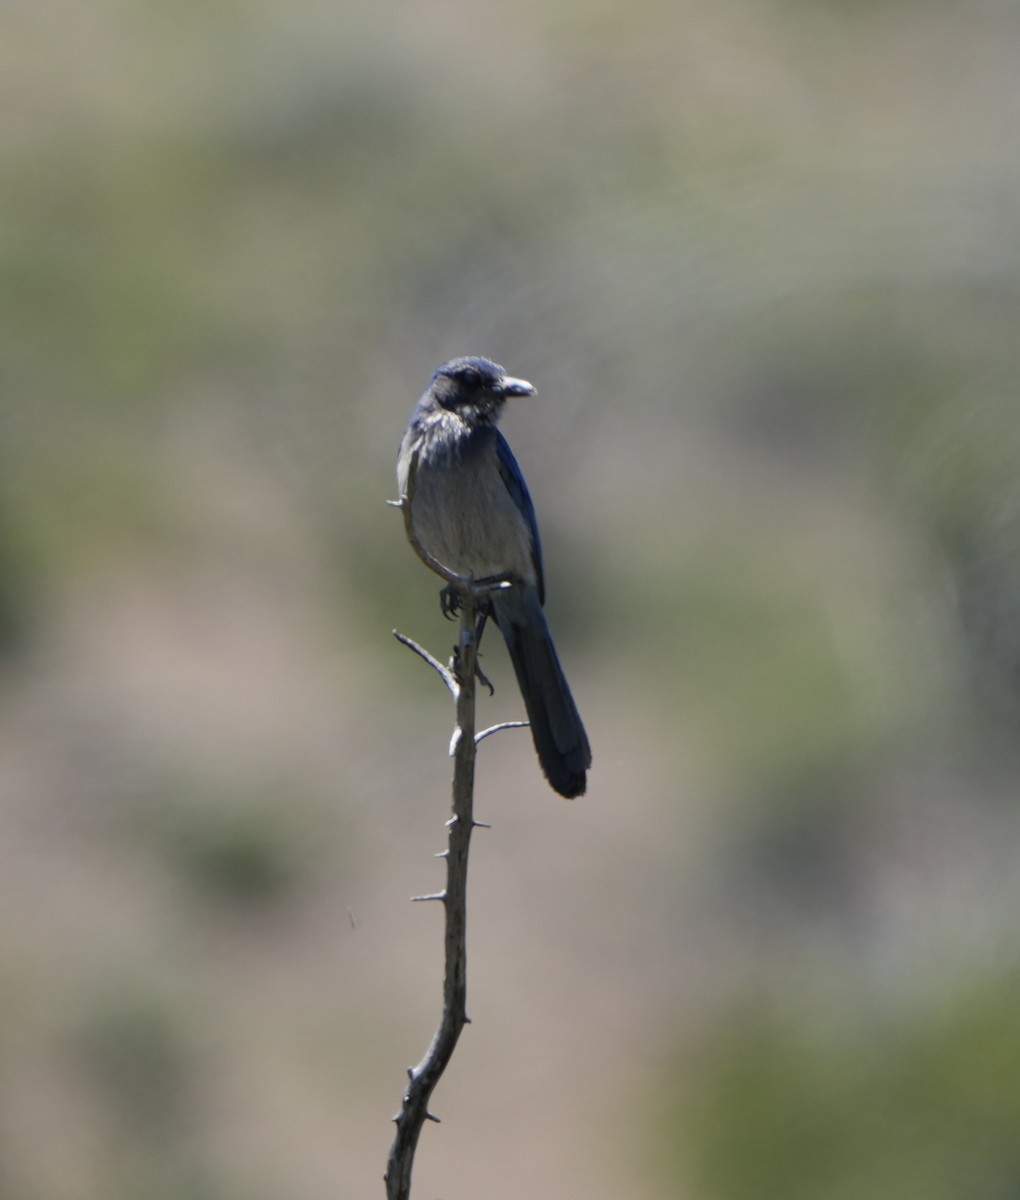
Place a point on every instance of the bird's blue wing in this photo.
(518, 489)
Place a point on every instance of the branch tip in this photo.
(444, 673)
(498, 728)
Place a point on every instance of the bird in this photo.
(471, 511)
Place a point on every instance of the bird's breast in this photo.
(463, 514)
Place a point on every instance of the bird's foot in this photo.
(483, 678)
(449, 601)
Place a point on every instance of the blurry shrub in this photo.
(922, 1105)
(243, 849)
(962, 475)
(84, 507)
(131, 1045)
(753, 650)
(800, 842)
(18, 587)
(141, 1070)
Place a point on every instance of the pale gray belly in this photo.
(465, 518)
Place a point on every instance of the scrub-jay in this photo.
(472, 512)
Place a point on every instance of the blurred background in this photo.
(762, 261)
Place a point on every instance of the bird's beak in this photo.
(517, 387)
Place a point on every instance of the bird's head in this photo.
(476, 388)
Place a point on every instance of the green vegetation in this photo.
(832, 1103)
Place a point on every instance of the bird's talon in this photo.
(483, 678)
(449, 601)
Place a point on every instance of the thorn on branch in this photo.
(444, 673)
(479, 737)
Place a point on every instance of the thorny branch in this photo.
(460, 678)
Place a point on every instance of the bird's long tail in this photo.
(560, 740)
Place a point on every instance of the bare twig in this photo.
(422, 1079)
(460, 678)
(444, 673)
(480, 737)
